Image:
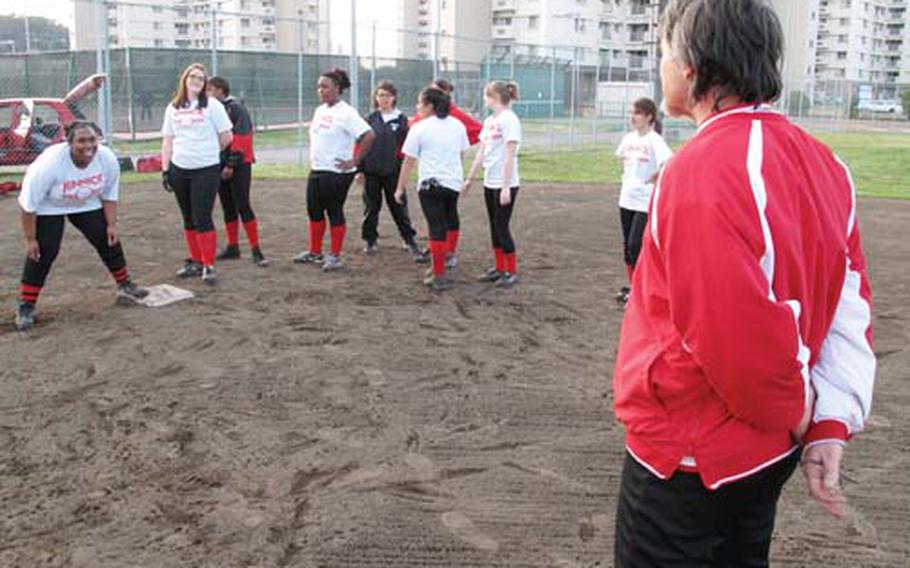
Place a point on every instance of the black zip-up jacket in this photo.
(384, 158)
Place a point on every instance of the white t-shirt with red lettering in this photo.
(498, 131)
(195, 131)
(53, 185)
(642, 157)
(333, 132)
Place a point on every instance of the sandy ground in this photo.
(292, 418)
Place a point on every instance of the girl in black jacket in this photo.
(380, 170)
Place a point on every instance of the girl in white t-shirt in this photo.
(438, 141)
(77, 180)
(334, 131)
(643, 153)
(196, 129)
(498, 153)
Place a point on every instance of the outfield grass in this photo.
(880, 163)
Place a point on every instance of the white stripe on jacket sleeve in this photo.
(844, 375)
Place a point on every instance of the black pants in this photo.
(234, 194)
(500, 216)
(375, 187)
(326, 192)
(440, 207)
(633, 230)
(92, 224)
(680, 523)
(195, 191)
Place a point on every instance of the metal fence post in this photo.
(300, 92)
(214, 37)
(355, 65)
(596, 96)
(552, 98)
(572, 105)
(373, 64)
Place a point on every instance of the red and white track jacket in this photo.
(750, 290)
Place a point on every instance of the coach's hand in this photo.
(112, 237)
(227, 172)
(821, 467)
(33, 250)
(399, 195)
(166, 181)
(465, 187)
(359, 178)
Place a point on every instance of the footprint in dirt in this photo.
(462, 527)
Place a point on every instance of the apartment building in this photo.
(254, 25)
(863, 40)
(529, 29)
(461, 26)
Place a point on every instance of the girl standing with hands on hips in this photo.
(499, 143)
(335, 129)
(643, 152)
(438, 141)
(196, 129)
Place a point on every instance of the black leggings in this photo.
(633, 229)
(500, 216)
(326, 192)
(235, 195)
(195, 191)
(440, 206)
(677, 522)
(375, 187)
(92, 224)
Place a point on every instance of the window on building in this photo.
(533, 22)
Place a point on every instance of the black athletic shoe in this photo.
(307, 257)
(422, 257)
(437, 284)
(191, 269)
(259, 258)
(25, 316)
(371, 248)
(491, 275)
(230, 252)
(129, 293)
(622, 298)
(209, 276)
(507, 280)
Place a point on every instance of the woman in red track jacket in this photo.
(748, 335)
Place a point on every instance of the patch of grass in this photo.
(264, 139)
(880, 163)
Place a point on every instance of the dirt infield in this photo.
(293, 418)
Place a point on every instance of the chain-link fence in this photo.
(572, 95)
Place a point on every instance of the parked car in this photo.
(29, 125)
(881, 106)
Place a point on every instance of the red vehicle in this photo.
(28, 126)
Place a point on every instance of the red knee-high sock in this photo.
(317, 233)
(208, 242)
(499, 259)
(439, 250)
(511, 263)
(232, 231)
(192, 245)
(29, 294)
(452, 241)
(121, 276)
(337, 233)
(252, 232)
